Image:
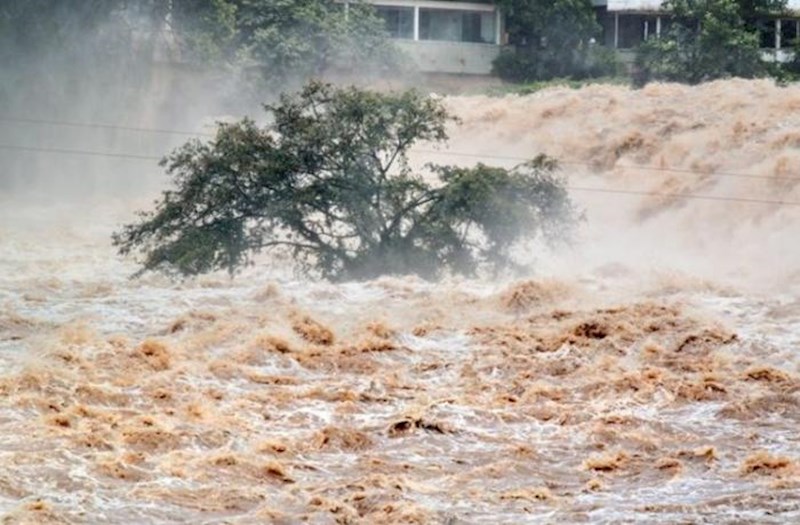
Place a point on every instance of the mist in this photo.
(630, 155)
(647, 373)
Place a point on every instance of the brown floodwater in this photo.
(649, 374)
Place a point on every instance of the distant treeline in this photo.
(279, 43)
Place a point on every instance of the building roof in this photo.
(655, 5)
(630, 5)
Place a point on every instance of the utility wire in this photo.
(589, 165)
(569, 187)
(684, 196)
(18, 120)
(78, 152)
(428, 151)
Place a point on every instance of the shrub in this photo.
(707, 40)
(533, 65)
(552, 39)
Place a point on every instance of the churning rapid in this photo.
(649, 374)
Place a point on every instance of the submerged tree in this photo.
(329, 181)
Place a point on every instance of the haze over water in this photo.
(648, 374)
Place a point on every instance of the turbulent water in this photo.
(649, 374)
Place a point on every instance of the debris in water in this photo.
(312, 331)
(765, 463)
(523, 296)
(609, 462)
(155, 353)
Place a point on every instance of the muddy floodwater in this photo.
(649, 375)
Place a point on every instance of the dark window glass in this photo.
(399, 21)
(471, 30)
(451, 25)
(766, 32)
(650, 27)
(788, 32)
(631, 30)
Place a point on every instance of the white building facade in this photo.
(464, 37)
(445, 36)
(627, 23)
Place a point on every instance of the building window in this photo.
(631, 31)
(399, 21)
(766, 32)
(650, 27)
(457, 26)
(788, 32)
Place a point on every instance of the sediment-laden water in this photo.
(647, 375)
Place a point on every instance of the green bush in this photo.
(516, 67)
(707, 40)
(531, 65)
(291, 41)
(552, 39)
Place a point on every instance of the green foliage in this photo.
(329, 181)
(787, 72)
(300, 39)
(283, 40)
(533, 65)
(206, 28)
(552, 40)
(750, 9)
(279, 40)
(539, 85)
(708, 39)
(564, 24)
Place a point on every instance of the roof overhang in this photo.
(436, 4)
(655, 5)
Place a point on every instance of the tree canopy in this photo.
(552, 38)
(281, 40)
(300, 39)
(329, 181)
(564, 24)
(707, 39)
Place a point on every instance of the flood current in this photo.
(647, 374)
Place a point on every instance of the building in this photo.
(628, 23)
(445, 36)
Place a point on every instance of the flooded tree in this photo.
(329, 181)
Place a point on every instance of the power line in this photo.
(685, 196)
(695, 172)
(589, 165)
(78, 152)
(569, 187)
(63, 123)
(429, 151)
